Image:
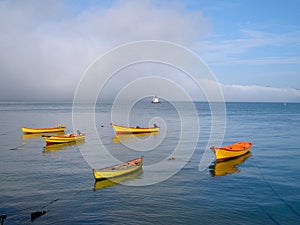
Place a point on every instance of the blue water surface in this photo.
(261, 188)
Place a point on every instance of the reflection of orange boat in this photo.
(58, 128)
(231, 151)
(222, 168)
(134, 130)
(123, 138)
(117, 180)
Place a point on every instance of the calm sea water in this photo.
(260, 188)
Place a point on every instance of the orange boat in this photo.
(231, 151)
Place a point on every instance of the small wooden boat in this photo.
(222, 168)
(58, 128)
(104, 183)
(231, 151)
(119, 169)
(67, 138)
(134, 130)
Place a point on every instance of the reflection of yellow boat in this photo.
(39, 135)
(223, 168)
(129, 137)
(231, 151)
(58, 128)
(119, 169)
(59, 139)
(134, 130)
(56, 147)
(116, 180)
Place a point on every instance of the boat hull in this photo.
(133, 130)
(39, 135)
(59, 128)
(231, 151)
(63, 139)
(118, 170)
(99, 184)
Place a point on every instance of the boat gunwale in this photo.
(41, 128)
(113, 169)
(74, 136)
(140, 160)
(227, 148)
(123, 166)
(133, 127)
(231, 150)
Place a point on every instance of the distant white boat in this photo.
(155, 100)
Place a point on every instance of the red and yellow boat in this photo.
(119, 169)
(67, 138)
(231, 151)
(134, 130)
(58, 128)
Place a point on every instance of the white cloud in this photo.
(219, 50)
(241, 93)
(46, 45)
(264, 61)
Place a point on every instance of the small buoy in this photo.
(2, 218)
(37, 214)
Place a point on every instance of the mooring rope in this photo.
(275, 192)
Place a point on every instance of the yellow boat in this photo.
(119, 169)
(67, 138)
(134, 130)
(104, 183)
(231, 151)
(222, 168)
(58, 128)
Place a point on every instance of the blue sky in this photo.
(252, 47)
(259, 40)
